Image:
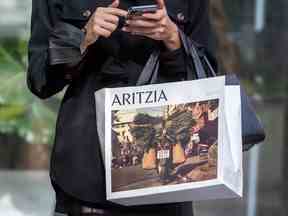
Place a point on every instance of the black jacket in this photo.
(55, 62)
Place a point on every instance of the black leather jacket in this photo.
(55, 62)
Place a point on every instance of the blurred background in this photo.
(251, 40)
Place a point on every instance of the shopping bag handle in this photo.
(149, 74)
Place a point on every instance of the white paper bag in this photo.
(201, 116)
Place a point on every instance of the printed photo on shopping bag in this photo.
(164, 145)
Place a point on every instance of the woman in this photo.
(80, 44)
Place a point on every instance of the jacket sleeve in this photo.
(172, 63)
(52, 43)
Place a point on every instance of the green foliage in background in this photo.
(20, 111)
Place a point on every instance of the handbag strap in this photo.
(192, 54)
(210, 68)
(150, 72)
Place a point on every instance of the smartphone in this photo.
(139, 10)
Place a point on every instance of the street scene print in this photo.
(164, 145)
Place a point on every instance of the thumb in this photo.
(160, 3)
(114, 4)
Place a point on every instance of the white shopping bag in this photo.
(171, 142)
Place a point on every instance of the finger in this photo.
(154, 16)
(106, 25)
(137, 18)
(142, 23)
(115, 11)
(110, 18)
(114, 4)
(101, 32)
(160, 4)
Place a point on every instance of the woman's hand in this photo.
(157, 26)
(103, 23)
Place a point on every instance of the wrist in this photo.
(173, 41)
(83, 46)
(87, 41)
